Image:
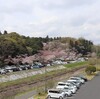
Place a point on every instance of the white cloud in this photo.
(52, 17)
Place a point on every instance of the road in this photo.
(90, 90)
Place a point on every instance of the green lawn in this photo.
(77, 64)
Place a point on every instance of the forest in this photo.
(12, 44)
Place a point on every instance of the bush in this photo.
(40, 91)
(92, 61)
(90, 69)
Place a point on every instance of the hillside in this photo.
(17, 49)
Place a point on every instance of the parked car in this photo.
(80, 59)
(15, 68)
(36, 66)
(48, 65)
(3, 71)
(78, 79)
(71, 89)
(77, 83)
(19, 68)
(75, 80)
(82, 77)
(62, 84)
(73, 83)
(68, 92)
(23, 67)
(8, 68)
(56, 93)
(58, 62)
(28, 66)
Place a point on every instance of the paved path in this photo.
(90, 90)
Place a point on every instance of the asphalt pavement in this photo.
(90, 90)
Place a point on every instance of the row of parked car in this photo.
(13, 68)
(67, 88)
(7, 69)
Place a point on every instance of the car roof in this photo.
(71, 80)
(61, 83)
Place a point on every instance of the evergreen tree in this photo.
(5, 32)
(0, 33)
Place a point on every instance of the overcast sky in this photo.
(74, 18)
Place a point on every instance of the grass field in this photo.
(77, 64)
(43, 96)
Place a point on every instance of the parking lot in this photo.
(90, 90)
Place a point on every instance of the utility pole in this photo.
(45, 71)
(45, 80)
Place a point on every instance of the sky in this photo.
(39, 18)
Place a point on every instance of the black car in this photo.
(85, 79)
(82, 77)
(28, 66)
(23, 67)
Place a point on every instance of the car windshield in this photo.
(61, 84)
(70, 88)
(71, 84)
(66, 88)
(74, 83)
(75, 78)
(55, 91)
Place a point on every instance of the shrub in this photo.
(92, 61)
(90, 69)
(40, 91)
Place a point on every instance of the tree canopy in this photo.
(14, 44)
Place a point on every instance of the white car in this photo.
(2, 71)
(56, 93)
(68, 92)
(61, 85)
(77, 78)
(8, 69)
(70, 85)
(77, 83)
(65, 84)
(73, 83)
(73, 90)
